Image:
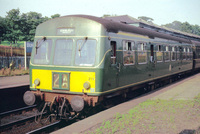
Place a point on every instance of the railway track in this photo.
(11, 120)
(17, 110)
(23, 121)
(27, 123)
(46, 129)
(17, 116)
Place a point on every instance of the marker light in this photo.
(37, 82)
(86, 85)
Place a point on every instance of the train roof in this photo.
(115, 27)
(150, 25)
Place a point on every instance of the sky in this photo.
(162, 11)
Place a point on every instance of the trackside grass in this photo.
(154, 116)
(18, 44)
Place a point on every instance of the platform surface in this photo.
(185, 89)
(13, 81)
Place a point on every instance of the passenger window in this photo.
(159, 54)
(167, 54)
(63, 52)
(184, 54)
(113, 52)
(173, 54)
(142, 53)
(178, 55)
(128, 53)
(190, 53)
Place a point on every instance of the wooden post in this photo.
(11, 53)
(25, 54)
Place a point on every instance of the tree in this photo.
(147, 19)
(196, 29)
(55, 16)
(2, 28)
(174, 25)
(29, 23)
(20, 27)
(184, 27)
(12, 20)
(109, 15)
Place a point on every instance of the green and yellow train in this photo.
(78, 61)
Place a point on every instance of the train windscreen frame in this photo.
(63, 52)
(85, 52)
(43, 51)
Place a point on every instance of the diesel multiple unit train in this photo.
(78, 61)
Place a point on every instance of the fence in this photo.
(18, 62)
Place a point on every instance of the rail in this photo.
(45, 128)
(16, 110)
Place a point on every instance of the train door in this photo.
(180, 57)
(152, 62)
(114, 67)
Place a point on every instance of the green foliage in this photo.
(174, 25)
(184, 27)
(31, 20)
(109, 15)
(197, 99)
(2, 27)
(147, 19)
(55, 16)
(16, 27)
(17, 44)
(13, 32)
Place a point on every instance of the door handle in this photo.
(119, 67)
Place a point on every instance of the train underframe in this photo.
(63, 106)
(69, 106)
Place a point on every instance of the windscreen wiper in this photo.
(39, 44)
(82, 45)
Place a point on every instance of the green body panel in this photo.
(131, 75)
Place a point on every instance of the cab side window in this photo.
(113, 52)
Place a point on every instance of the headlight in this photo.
(37, 82)
(86, 85)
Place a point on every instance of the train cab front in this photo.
(62, 75)
(65, 64)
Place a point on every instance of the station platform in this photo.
(14, 81)
(185, 89)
